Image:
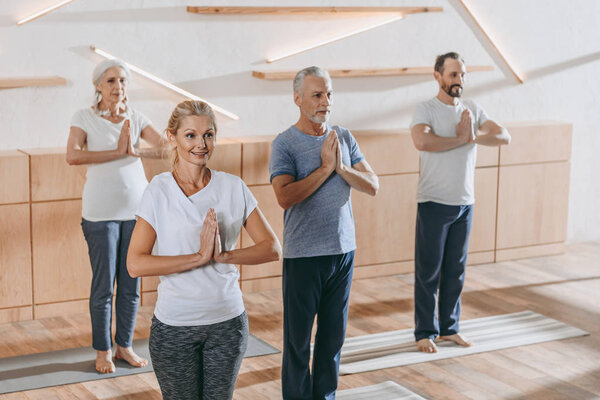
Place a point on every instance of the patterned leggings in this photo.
(198, 362)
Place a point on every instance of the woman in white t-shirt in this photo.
(186, 232)
(106, 138)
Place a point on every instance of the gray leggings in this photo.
(198, 362)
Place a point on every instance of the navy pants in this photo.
(108, 242)
(441, 246)
(314, 286)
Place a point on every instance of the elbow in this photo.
(132, 267)
(373, 189)
(275, 251)
(284, 203)
(72, 160)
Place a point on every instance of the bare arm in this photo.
(158, 142)
(360, 176)
(425, 139)
(77, 152)
(289, 191)
(141, 262)
(492, 134)
(265, 249)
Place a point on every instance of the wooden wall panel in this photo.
(389, 152)
(52, 178)
(274, 214)
(532, 204)
(149, 298)
(483, 230)
(257, 285)
(530, 251)
(385, 224)
(61, 266)
(150, 283)
(14, 177)
(16, 314)
(536, 142)
(15, 256)
(62, 308)
(487, 156)
(256, 152)
(370, 271)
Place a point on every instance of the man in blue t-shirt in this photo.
(313, 166)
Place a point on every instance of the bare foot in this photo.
(104, 363)
(458, 339)
(426, 346)
(127, 354)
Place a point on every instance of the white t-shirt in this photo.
(447, 177)
(112, 189)
(208, 294)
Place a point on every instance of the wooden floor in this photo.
(565, 287)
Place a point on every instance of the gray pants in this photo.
(108, 242)
(198, 362)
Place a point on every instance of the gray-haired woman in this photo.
(106, 137)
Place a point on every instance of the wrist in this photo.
(224, 257)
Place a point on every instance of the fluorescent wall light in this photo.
(334, 39)
(43, 12)
(166, 84)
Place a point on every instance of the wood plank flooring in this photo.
(565, 287)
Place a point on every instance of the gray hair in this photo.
(312, 71)
(97, 75)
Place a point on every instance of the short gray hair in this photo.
(313, 71)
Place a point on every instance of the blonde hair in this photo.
(185, 109)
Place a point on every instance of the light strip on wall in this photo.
(334, 39)
(43, 12)
(492, 44)
(166, 84)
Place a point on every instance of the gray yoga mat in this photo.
(382, 391)
(397, 348)
(63, 367)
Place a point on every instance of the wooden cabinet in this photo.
(61, 265)
(15, 256)
(521, 207)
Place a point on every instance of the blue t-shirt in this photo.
(322, 224)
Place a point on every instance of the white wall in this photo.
(555, 44)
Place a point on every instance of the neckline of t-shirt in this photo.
(212, 178)
(110, 122)
(298, 131)
(448, 105)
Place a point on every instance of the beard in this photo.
(453, 93)
(319, 119)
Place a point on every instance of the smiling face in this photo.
(314, 100)
(452, 77)
(113, 84)
(195, 140)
